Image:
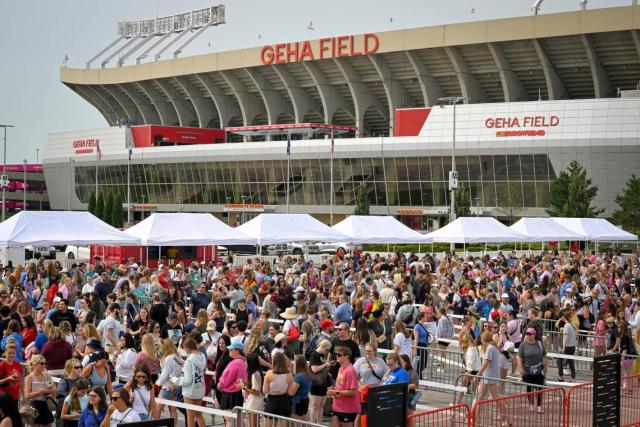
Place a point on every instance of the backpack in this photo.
(313, 344)
(410, 319)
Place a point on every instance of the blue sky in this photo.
(35, 36)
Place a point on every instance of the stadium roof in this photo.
(572, 55)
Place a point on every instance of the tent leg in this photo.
(418, 248)
(431, 248)
(147, 257)
(159, 255)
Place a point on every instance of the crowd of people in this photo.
(101, 344)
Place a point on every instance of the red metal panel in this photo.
(409, 121)
(151, 135)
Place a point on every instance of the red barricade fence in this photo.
(537, 408)
(548, 407)
(630, 401)
(450, 416)
(579, 406)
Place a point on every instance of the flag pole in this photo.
(128, 130)
(331, 173)
(288, 166)
(97, 158)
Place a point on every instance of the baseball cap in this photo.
(57, 300)
(327, 323)
(531, 331)
(211, 325)
(505, 295)
(236, 346)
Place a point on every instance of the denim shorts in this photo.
(170, 394)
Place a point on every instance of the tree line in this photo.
(108, 207)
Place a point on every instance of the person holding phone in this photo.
(11, 372)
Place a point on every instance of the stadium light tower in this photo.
(453, 174)
(536, 6)
(4, 179)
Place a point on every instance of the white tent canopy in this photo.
(544, 230)
(60, 228)
(595, 229)
(378, 229)
(186, 229)
(270, 229)
(476, 230)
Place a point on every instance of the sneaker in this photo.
(531, 409)
(540, 410)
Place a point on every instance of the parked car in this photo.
(36, 251)
(293, 248)
(332, 248)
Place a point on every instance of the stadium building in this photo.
(210, 131)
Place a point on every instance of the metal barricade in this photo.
(579, 405)
(507, 387)
(552, 341)
(450, 416)
(250, 418)
(630, 401)
(441, 366)
(521, 409)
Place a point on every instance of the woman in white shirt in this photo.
(126, 358)
(143, 399)
(402, 339)
(472, 364)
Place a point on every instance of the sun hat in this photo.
(279, 337)
(289, 313)
(473, 311)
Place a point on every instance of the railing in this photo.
(451, 416)
(584, 346)
(442, 366)
(507, 388)
(250, 418)
(538, 408)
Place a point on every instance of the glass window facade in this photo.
(410, 181)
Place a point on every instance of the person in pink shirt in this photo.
(232, 380)
(346, 402)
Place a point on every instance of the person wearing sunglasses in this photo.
(346, 401)
(120, 411)
(38, 387)
(141, 388)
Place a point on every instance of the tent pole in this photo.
(418, 248)
(159, 255)
(431, 247)
(147, 257)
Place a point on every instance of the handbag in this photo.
(28, 413)
(318, 378)
(51, 404)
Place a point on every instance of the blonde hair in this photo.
(48, 324)
(487, 339)
(55, 334)
(68, 366)
(324, 344)
(147, 345)
(35, 361)
(168, 348)
(90, 331)
(254, 339)
(202, 316)
(65, 328)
